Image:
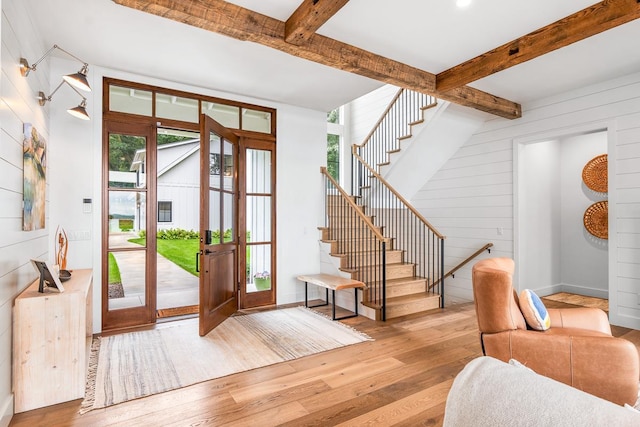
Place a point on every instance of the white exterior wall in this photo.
(472, 197)
(181, 186)
(18, 105)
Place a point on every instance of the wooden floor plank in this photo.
(403, 409)
(401, 378)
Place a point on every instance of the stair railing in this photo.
(405, 109)
(357, 241)
(452, 272)
(421, 243)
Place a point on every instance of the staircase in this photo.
(374, 234)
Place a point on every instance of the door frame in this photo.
(260, 298)
(113, 113)
(146, 314)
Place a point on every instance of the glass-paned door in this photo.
(129, 257)
(258, 224)
(218, 224)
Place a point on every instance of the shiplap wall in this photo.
(467, 201)
(626, 271)
(365, 112)
(473, 194)
(17, 105)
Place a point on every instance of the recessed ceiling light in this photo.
(463, 3)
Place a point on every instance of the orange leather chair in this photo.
(578, 349)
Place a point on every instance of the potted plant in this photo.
(262, 281)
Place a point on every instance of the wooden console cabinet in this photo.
(51, 339)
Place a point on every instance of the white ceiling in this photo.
(433, 35)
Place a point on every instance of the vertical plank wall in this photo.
(365, 112)
(17, 105)
(473, 193)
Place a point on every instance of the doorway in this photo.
(555, 250)
(153, 206)
(177, 221)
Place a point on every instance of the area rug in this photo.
(137, 364)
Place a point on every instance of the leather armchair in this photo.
(578, 349)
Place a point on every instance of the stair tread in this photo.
(405, 280)
(410, 298)
(397, 265)
(365, 252)
(351, 239)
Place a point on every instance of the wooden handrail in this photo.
(393, 190)
(382, 117)
(463, 263)
(354, 206)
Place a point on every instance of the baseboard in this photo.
(553, 289)
(457, 295)
(6, 411)
(583, 290)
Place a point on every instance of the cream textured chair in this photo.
(578, 349)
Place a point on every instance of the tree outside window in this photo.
(333, 145)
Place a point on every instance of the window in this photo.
(164, 211)
(157, 103)
(334, 136)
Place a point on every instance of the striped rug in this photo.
(137, 364)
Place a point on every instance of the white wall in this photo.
(585, 258)
(367, 110)
(17, 106)
(539, 172)
(472, 196)
(301, 150)
(445, 129)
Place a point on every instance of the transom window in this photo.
(125, 97)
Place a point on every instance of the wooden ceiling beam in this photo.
(308, 17)
(593, 20)
(243, 24)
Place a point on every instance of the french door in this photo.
(236, 253)
(218, 224)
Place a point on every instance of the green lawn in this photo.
(114, 271)
(180, 252)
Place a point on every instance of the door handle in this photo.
(198, 261)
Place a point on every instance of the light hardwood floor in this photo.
(402, 378)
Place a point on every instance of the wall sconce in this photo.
(80, 111)
(78, 79)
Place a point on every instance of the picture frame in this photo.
(48, 276)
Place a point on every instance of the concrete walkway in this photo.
(175, 286)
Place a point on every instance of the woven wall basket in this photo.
(594, 174)
(596, 219)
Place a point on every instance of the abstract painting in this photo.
(34, 156)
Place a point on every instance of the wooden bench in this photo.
(335, 283)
